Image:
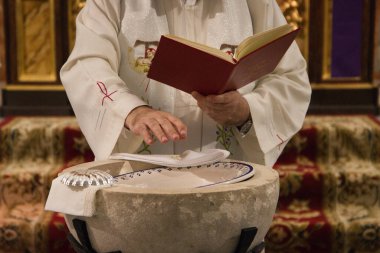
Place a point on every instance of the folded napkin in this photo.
(187, 158)
(77, 200)
(74, 200)
(80, 201)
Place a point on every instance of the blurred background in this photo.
(329, 172)
(340, 40)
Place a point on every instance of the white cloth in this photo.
(77, 200)
(74, 200)
(81, 201)
(104, 81)
(187, 158)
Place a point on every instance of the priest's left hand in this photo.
(227, 109)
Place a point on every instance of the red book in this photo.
(190, 66)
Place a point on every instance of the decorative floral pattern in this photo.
(27, 212)
(145, 149)
(289, 183)
(9, 238)
(358, 188)
(370, 238)
(293, 236)
(224, 136)
(142, 55)
(32, 151)
(330, 182)
(21, 188)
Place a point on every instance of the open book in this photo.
(191, 66)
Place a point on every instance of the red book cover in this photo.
(190, 69)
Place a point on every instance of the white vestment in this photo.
(105, 76)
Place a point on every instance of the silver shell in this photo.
(86, 178)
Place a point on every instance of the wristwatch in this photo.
(244, 129)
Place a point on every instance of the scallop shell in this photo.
(86, 178)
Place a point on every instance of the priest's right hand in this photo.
(146, 122)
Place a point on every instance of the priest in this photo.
(120, 110)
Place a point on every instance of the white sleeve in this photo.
(100, 98)
(278, 104)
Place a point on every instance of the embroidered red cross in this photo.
(282, 141)
(104, 90)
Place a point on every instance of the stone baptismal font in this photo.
(136, 207)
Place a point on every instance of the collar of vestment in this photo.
(189, 2)
(145, 20)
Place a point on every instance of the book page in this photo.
(210, 50)
(256, 41)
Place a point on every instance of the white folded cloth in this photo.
(74, 200)
(187, 158)
(80, 201)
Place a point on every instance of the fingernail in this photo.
(183, 134)
(175, 136)
(164, 139)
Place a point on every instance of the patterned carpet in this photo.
(329, 199)
(330, 185)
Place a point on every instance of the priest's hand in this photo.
(146, 122)
(228, 109)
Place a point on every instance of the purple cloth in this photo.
(347, 38)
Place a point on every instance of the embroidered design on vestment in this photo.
(104, 90)
(143, 54)
(145, 149)
(224, 136)
(282, 141)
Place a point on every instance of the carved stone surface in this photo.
(208, 219)
(36, 50)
